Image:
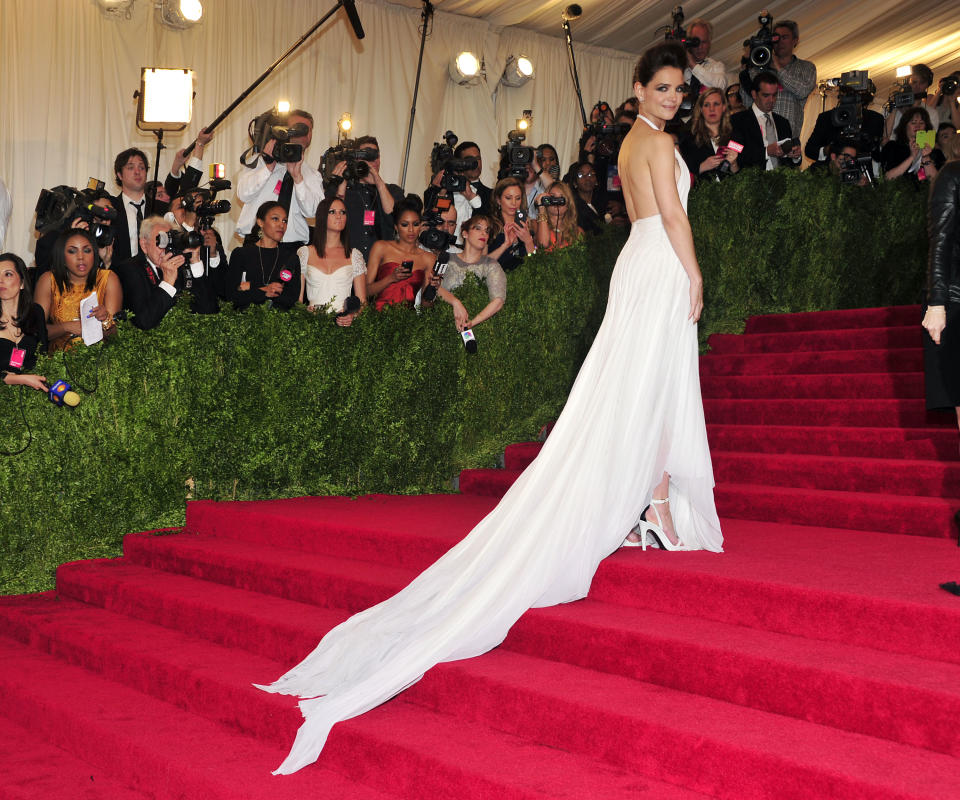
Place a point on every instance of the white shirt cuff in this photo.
(170, 290)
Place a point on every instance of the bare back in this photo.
(634, 168)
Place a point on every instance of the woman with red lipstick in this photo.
(23, 332)
(397, 270)
(76, 271)
(474, 261)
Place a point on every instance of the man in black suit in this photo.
(153, 278)
(130, 168)
(761, 131)
(477, 195)
(826, 133)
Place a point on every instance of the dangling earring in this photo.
(259, 234)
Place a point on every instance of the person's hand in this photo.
(775, 150)
(914, 147)
(106, 255)
(435, 280)
(80, 223)
(523, 234)
(460, 316)
(345, 320)
(793, 152)
(272, 289)
(191, 256)
(38, 382)
(934, 321)
(339, 169)
(730, 155)
(210, 239)
(437, 179)
(244, 287)
(590, 144)
(169, 265)
(179, 161)
(268, 151)
(712, 162)
(294, 168)
(510, 232)
(696, 299)
(691, 61)
(468, 191)
(73, 327)
(203, 139)
(401, 273)
(926, 151)
(373, 176)
(99, 313)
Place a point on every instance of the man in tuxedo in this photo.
(153, 278)
(761, 131)
(130, 168)
(476, 196)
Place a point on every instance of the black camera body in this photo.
(762, 42)
(273, 125)
(949, 85)
(609, 137)
(356, 157)
(856, 92)
(175, 242)
(515, 156)
(677, 32)
(57, 207)
(552, 200)
(442, 158)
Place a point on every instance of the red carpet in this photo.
(805, 662)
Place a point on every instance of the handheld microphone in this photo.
(469, 340)
(351, 8)
(62, 394)
(351, 304)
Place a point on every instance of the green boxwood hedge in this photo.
(262, 404)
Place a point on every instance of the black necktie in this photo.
(286, 191)
(139, 207)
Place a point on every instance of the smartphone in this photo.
(520, 216)
(407, 265)
(926, 138)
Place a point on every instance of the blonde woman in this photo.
(704, 148)
(557, 218)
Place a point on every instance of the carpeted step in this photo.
(828, 361)
(520, 455)
(33, 769)
(772, 577)
(888, 316)
(430, 754)
(824, 413)
(856, 511)
(159, 749)
(904, 699)
(818, 340)
(879, 385)
(487, 482)
(939, 444)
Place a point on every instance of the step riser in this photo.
(896, 338)
(898, 713)
(854, 362)
(854, 319)
(823, 413)
(897, 386)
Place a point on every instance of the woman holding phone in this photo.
(705, 147)
(904, 155)
(397, 270)
(514, 239)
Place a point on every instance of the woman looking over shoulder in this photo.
(329, 268)
(23, 332)
(76, 271)
(398, 269)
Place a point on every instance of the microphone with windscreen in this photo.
(62, 394)
(351, 8)
(350, 305)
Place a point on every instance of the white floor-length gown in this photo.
(634, 412)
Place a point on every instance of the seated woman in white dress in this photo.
(329, 268)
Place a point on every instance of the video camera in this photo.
(950, 84)
(274, 124)
(852, 168)
(515, 156)
(762, 42)
(431, 237)
(356, 157)
(58, 207)
(204, 204)
(678, 33)
(442, 158)
(855, 93)
(609, 137)
(902, 96)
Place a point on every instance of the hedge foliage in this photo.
(262, 404)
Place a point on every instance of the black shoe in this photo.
(951, 586)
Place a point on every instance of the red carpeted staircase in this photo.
(816, 658)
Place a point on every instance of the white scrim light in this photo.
(283, 106)
(180, 14)
(904, 72)
(166, 99)
(522, 124)
(467, 64)
(525, 67)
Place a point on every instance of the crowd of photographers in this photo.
(100, 256)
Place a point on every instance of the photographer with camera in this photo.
(473, 261)
(702, 72)
(194, 210)
(846, 162)
(90, 210)
(329, 268)
(456, 177)
(911, 150)
(168, 263)
(396, 270)
(75, 272)
(130, 168)
(557, 218)
(766, 136)
(852, 118)
(265, 271)
(910, 95)
(705, 147)
(352, 170)
(514, 241)
(282, 176)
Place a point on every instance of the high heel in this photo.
(640, 542)
(656, 531)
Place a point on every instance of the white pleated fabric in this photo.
(634, 411)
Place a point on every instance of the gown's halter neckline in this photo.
(655, 127)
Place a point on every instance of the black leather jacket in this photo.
(943, 274)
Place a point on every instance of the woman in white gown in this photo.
(632, 431)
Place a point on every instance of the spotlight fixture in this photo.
(904, 72)
(180, 14)
(344, 126)
(283, 106)
(466, 69)
(518, 71)
(572, 11)
(526, 121)
(116, 8)
(165, 99)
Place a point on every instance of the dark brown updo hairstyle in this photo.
(665, 54)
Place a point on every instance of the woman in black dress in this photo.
(704, 148)
(265, 272)
(23, 332)
(942, 317)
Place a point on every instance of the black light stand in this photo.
(573, 11)
(425, 15)
(348, 5)
(152, 200)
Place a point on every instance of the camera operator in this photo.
(796, 78)
(475, 196)
(947, 108)
(103, 230)
(297, 186)
(702, 72)
(557, 218)
(866, 126)
(153, 278)
(446, 221)
(763, 132)
(369, 199)
(921, 79)
(130, 168)
(843, 161)
(183, 215)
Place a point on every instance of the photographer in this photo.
(557, 218)
(843, 162)
(474, 261)
(764, 133)
(76, 271)
(475, 196)
(921, 79)
(130, 168)
(297, 186)
(23, 332)
(704, 148)
(153, 278)
(102, 228)
(903, 155)
(183, 215)
(265, 271)
(514, 242)
(827, 133)
(702, 72)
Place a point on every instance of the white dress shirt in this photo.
(130, 206)
(258, 185)
(709, 72)
(168, 288)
